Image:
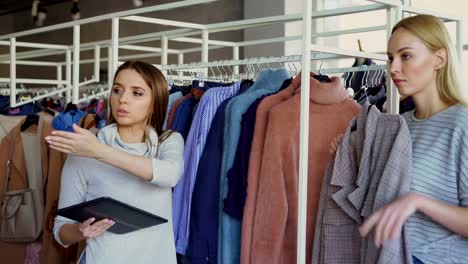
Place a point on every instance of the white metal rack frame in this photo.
(181, 35)
(185, 32)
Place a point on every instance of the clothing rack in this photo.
(185, 32)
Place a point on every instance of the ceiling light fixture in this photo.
(75, 10)
(138, 3)
(38, 13)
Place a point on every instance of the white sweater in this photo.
(85, 179)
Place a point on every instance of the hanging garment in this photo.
(182, 194)
(26, 109)
(274, 238)
(256, 153)
(65, 120)
(230, 229)
(176, 104)
(371, 168)
(4, 103)
(440, 155)
(203, 240)
(177, 88)
(8, 123)
(355, 79)
(233, 203)
(16, 252)
(52, 252)
(183, 117)
(204, 214)
(22, 183)
(172, 98)
(237, 175)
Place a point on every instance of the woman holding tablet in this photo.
(132, 160)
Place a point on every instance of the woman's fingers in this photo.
(61, 149)
(94, 230)
(59, 145)
(61, 140)
(370, 223)
(103, 228)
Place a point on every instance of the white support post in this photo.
(460, 43)
(304, 133)
(164, 54)
(68, 75)
(59, 73)
(12, 72)
(180, 58)
(235, 56)
(205, 50)
(393, 104)
(390, 22)
(109, 69)
(97, 62)
(76, 63)
(115, 45)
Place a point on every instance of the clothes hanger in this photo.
(70, 107)
(322, 78)
(363, 88)
(31, 119)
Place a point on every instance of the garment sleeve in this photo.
(168, 166)
(463, 171)
(72, 190)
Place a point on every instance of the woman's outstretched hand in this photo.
(81, 143)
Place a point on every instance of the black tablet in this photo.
(127, 218)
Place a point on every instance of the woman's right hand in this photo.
(89, 229)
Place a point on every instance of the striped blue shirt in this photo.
(440, 171)
(182, 194)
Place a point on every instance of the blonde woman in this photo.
(435, 213)
(132, 160)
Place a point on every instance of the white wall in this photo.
(264, 8)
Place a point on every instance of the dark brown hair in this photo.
(160, 95)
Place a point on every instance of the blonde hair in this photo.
(435, 36)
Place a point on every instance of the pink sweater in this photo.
(256, 152)
(274, 228)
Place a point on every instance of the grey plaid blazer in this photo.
(371, 168)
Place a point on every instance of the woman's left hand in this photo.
(81, 143)
(388, 220)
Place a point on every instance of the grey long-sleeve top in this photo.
(85, 179)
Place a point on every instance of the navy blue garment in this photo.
(380, 93)
(183, 117)
(416, 260)
(237, 175)
(407, 105)
(65, 120)
(203, 239)
(26, 109)
(4, 103)
(183, 89)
